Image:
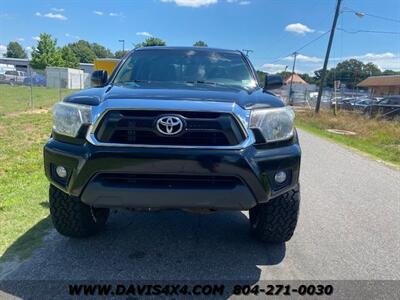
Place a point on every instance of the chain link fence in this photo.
(37, 89)
(302, 95)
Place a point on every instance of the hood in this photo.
(244, 98)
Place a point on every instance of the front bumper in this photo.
(251, 169)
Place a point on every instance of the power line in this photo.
(368, 31)
(362, 14)
(302, 47)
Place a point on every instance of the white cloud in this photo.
(144, 33)
(3, 50)
(52, 16)
(273, 68)
(113, 14)
(240, 2)
(68, 35)
(192, 3)
(305, 58)
(298, 28)
(20, 39)
(385, 61)
(36, 38)
(57, 9)
(97, 12)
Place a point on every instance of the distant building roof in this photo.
(296, 79)
(374, 81)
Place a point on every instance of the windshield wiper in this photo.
(203, 82)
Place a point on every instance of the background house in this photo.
(296, 80)
(382, 85)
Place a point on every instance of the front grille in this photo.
(166, 181)
(138, 127)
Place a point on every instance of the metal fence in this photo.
(306, 95)
(36, 89)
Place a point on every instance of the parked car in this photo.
(13, 77)
(36, 80)
(344, 103)
(388, 107)
(362, 103)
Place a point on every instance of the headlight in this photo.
(275, 124)
(68, 118)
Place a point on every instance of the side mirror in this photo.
(99, 78)
(272, 82)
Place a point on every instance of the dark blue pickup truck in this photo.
(175, 128)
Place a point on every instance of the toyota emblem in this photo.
(169, 125)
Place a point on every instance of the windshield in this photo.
(186, 66)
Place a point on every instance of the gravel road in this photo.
(349, 228)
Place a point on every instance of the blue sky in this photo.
(271, 28)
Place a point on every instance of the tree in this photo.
(69, 58)
(371, 69)
(307, 78)
(46, 53)
(120, 54)
(15, 50)
(101, 51)
(83, 51)
(349, 72)
(261, 77)
(200, 44)
(284, 74)
(151, 41)
(390, 72)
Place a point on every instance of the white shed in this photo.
(59, 77)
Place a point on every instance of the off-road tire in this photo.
(275, 221)
(73, 218)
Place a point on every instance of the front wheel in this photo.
(276, 220)
(73, 218)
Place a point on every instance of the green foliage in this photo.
(15, 50)
(101, 51)
(261, 77)
(284, 74)
(349, 72)
(83, 51)
(87, 52)
(69, 58)
(151, 41)
(200, 44)
(376, 137)
(46, 53)
(120, 53)
(390, 72)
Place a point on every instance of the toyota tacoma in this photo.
(175, 128)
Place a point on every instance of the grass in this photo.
(18, 98)
(23, 186)
(378, 138)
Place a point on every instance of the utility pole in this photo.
(291, 80)
(328, 52)
(123, 44)
(247, 51)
